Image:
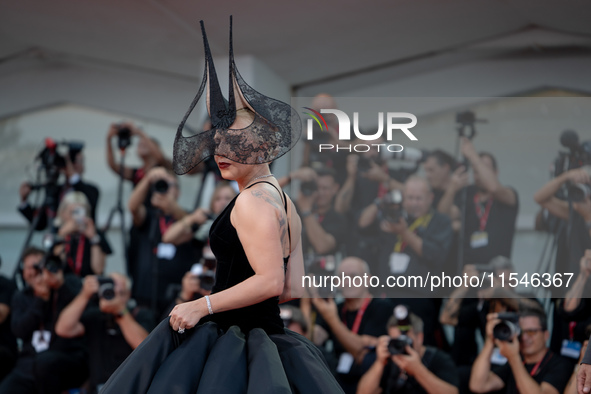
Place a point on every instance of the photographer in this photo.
(72, 166)
(8, 346)
(355, 324)
(531, 367)
(439, 167)
(47, 363)
(570, 249)
(323, 228)
(416, 238)
(151, 252)
(199, 222)
(106, 316)
(85, 248)
(148, 151)
(491, 208)
(404, 365)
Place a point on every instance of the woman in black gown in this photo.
(234, 340)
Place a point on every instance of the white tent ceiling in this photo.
(306, 43)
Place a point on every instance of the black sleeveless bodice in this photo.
(232, 268)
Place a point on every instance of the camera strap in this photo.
(536, 368)
(358, 317)
(482, 216)
(164, 224)
(422, 221)
(76, 265)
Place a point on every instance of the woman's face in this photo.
(221, 199)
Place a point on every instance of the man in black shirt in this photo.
(490, 208)
(414, 368)
(355, 324)
(8, 349)
(439, 167)
(153, 260)
(113, 326)
(323, 228)
(531, 367)
(47, 363)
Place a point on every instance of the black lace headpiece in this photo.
(265, 128)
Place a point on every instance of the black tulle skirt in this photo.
(208, 360)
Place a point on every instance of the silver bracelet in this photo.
(208, 305)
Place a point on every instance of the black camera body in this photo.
(308, 188)
(508, 329)
(390, 207)
(206, 280)
(398, 345)
(161, 186)
(123, 137)
(106, 288)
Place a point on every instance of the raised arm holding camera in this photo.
(404, 365)
(113, 326)
(531, 367)
(148, 151)
(323, 228)
(152, 222)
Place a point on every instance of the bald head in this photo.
(418, 196)
(323, 100)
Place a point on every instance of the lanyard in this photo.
(482, 216)
(164, 225)
(422, 221)
(535, 371)
(76, 266)
(571, 329)
(360, 313)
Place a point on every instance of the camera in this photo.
(106, 288)
(207, 280)
(123, 137)
(398, 345)
(161, 186)
(51, 261)
(508, 328)
(308, 188)
(390, 207)
(579, 155)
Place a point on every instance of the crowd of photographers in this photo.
(71, 325)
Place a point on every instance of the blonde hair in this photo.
(71, 198)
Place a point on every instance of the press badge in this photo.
(571, 349)
(166, 251)
(497, 358)
(479, 239)
(40, 340)
(345, 363)
(399, 262)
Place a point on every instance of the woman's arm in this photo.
(257, 217)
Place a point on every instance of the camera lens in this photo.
(106, 288)
(506, 331)
(161, 186)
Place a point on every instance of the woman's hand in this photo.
(187, 315)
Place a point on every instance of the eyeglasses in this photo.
(530, 331)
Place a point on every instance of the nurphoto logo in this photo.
(392, 120)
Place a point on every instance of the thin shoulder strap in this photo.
(281, 192)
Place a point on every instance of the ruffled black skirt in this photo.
(207, 360)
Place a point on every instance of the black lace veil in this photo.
(264, 128)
